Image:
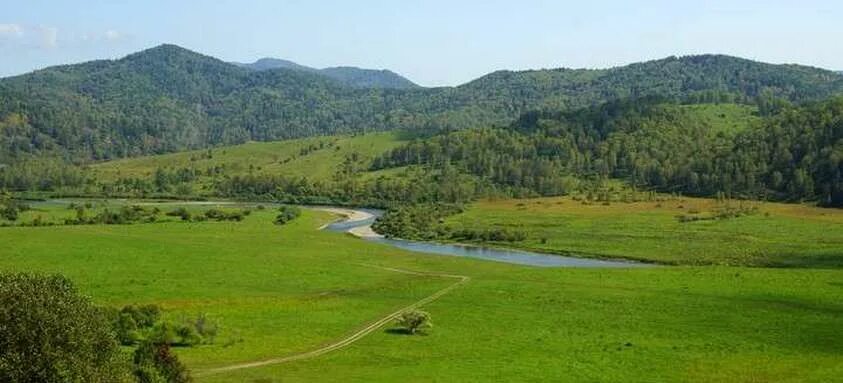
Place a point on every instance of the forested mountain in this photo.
(268, 63)
(796, 155)
(168, 99)
(352, 76)
(368, 78)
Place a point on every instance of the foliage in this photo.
(155, 362)
(421, 221)
(180, 212)
(133, 323)
(168, 99)
(10, 208)
(223, 215)
(50, 333)
(412, 321)
(286, 214)
(124, 216)
(793, 156)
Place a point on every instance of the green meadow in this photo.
(281, 290)
(315, 157)
(769, 234)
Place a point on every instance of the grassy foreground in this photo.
(778, 235)
(281, 290)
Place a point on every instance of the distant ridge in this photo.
(168, 99)
(268, 63)
(353, 76)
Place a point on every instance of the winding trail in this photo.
(357, 335)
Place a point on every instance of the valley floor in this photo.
(283, 290)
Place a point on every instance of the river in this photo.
(359, 223)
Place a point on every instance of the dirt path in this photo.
(359, 334)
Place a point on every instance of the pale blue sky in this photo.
(431, 42)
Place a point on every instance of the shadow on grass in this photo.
(403, 331)
(824, 261)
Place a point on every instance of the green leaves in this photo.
(50, 333)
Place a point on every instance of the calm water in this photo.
(491, 254)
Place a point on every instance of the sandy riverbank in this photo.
(353, 216)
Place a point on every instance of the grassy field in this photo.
(723, 118)
(315, 157)
(279, 290)
(774, 235)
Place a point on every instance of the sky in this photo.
(432, 42)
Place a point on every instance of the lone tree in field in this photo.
(50, 333)
(414, 320)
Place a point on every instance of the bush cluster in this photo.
(722, 213)
(11, 208)
(222, 215)
(489, 235)
(138, 324)
(286, 214)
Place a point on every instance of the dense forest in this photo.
(352, 76)
(794, 155)
(698, 125)
(169, 99)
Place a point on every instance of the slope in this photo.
(167, 99)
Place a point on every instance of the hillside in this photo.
(317, 158)
(704, 150)
(351, 76)
(169, 99)
(268, 63)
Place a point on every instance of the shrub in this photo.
(286, 214)
(220, 215)
(163, 333)
(205, 327)
(187, 335)
(414, 320)
(155, 362)
(181, 212)
(10, 213)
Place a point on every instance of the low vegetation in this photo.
(414, 321)
(286, 214)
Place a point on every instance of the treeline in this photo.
(796, 155)
(42, 174)
(444, 184)
(426, 222)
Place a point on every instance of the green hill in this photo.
(316, 158)
(352, 76)
(169, 99)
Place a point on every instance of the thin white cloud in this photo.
(112, 35)
(11, 31)
(48, 36)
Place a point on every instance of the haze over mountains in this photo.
(353, 76)
(168, 98)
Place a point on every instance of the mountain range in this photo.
(353, 76)
(168, 98)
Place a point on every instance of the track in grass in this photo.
(357, 335)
